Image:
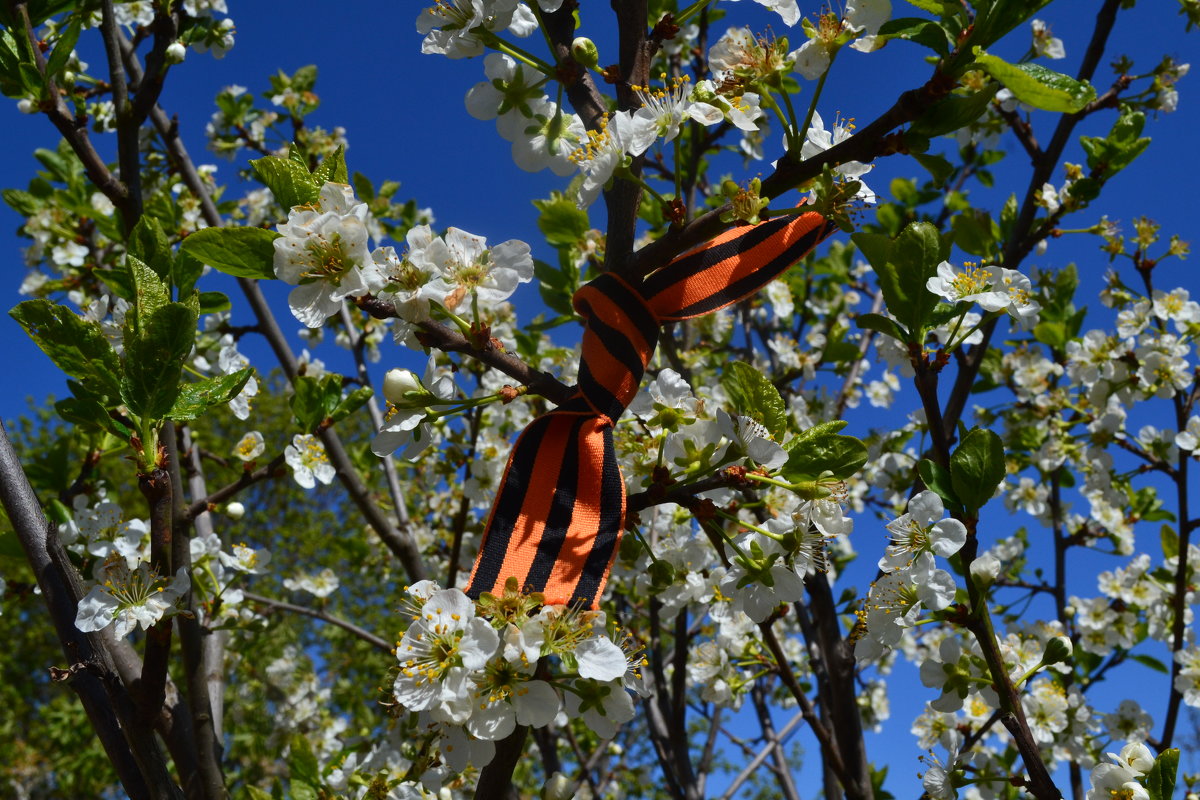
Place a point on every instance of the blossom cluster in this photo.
(127, 592)
(474, 670)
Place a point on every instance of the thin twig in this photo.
(349, 627)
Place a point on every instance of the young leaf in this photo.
(75, 345)
(196, 398)
(938, 480)
(353, 402)
(333, 168)
(287, 179)
(65, 46)
(822, 449)
(315, 399)
(240, 252)
(1037, 86)
(756, 397)
(89, 413)
(954, 112)
(148, 243)
(1160, 783)
(154, 360)
(977, 467)
(882, 324)
(150, 293)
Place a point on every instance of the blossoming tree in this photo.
(656, 594)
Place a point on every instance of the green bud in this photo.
(584, 51)
(662, 574)
(1058, 649)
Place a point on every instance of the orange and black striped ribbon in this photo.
(557, 519)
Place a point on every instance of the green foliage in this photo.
(954, 112)
(752, 395)
(1109, 155)
(1038, 86)
(315, 400)
(1160, 783)
(75, 345)
(904, 265)
(154, 360)
(240, 252)
(976, 468)
(919, 30)
(196, 398)
(821, 450)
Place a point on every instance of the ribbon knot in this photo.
(557, 519)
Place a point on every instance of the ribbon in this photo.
(557, 520)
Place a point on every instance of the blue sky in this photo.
(405, 121)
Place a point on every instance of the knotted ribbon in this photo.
(557, 519)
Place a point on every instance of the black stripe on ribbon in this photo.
(499, 530)
(562, 509)
(755, 280)
(686, 266)
(612, 510)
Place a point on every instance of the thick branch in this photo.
(132, 750)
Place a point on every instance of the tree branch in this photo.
(349, 627)
(131, 748)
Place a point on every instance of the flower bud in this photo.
(235, 510)
(584, 51)
(557, 787)
(662, 574)
(176, 52)
(985, 568)
(397, 383)
(27, 106)
(1058, 649)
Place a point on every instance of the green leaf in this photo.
(561, 220)
(912, 261)
(1037, 86)
(288, 179)
(1160, 783)
(822, 449)
(65, 45)
(1001, 17)
(1151, 662)
(555, 286)
(196, 398)
(939, 168)
(212, 302)
(302, 764)
(188, 270)
(22, 202)
(919, 30)
(315, 399)
(150, 293)
(91, 414)
(154, 360)
(1169, 541)
(333, 168)
(754, 396)
(975, 232)
(954, 112)
(938, 480)
(885, 325)
(932, 6)
(148, 243)
(1116, 151)
(241, 252)
(352, 402)
(75, 345)
(977, 467)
